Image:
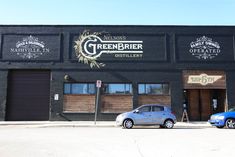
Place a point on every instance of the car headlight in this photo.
(120, 116)
(220, 117)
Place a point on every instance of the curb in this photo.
(49, 124)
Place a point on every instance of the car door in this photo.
(143, 116)
(158, 114)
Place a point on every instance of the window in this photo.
(67, 88)
(117, 88)
(145, 109)
(157, 89)
(157, 108)
(79, 88)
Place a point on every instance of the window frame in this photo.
(161, 107)
(145, 89)
(121, 83)
(87, 92)
(150, 109)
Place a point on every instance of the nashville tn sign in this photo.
(30, 48)
(203, 79)
(204, 48)
(89, 47)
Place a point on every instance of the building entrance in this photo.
(204, 102)
(28, 95)
(204, 93)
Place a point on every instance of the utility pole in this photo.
(98, 86)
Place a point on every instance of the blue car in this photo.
(151, 114)
(223, 119)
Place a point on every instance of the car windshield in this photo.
(231, 110)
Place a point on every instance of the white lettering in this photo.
(203, 79)
(94, 47)
(204, 48)
(119, 46)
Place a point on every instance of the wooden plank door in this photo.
(205, 104)
(193, 102)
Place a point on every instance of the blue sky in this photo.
(118, 12)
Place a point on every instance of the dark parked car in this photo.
(223, 119)
(147, 115)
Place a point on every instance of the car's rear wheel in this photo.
(230, 123)
(128, 124)
(168, 124)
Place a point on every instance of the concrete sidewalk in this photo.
(90, 124)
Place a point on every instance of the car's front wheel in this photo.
(128, 124)
(230, 123)
(168, 124)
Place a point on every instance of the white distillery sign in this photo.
(30, 48)
(89, 47)
(203, 79)
(204, 48)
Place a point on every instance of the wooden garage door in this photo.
(28, 95)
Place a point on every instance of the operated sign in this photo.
(204, 48)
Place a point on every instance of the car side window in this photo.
(145, 109)
(157, 108)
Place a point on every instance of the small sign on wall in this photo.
(98, 83)
(196, 79)
(203, 79)
(56, 97)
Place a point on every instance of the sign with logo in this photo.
(31, 47)
(89, 47)
(196, 79)
(204, 48)
(203, 79)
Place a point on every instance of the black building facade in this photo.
(50, 72)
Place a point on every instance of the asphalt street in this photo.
(68, 141)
